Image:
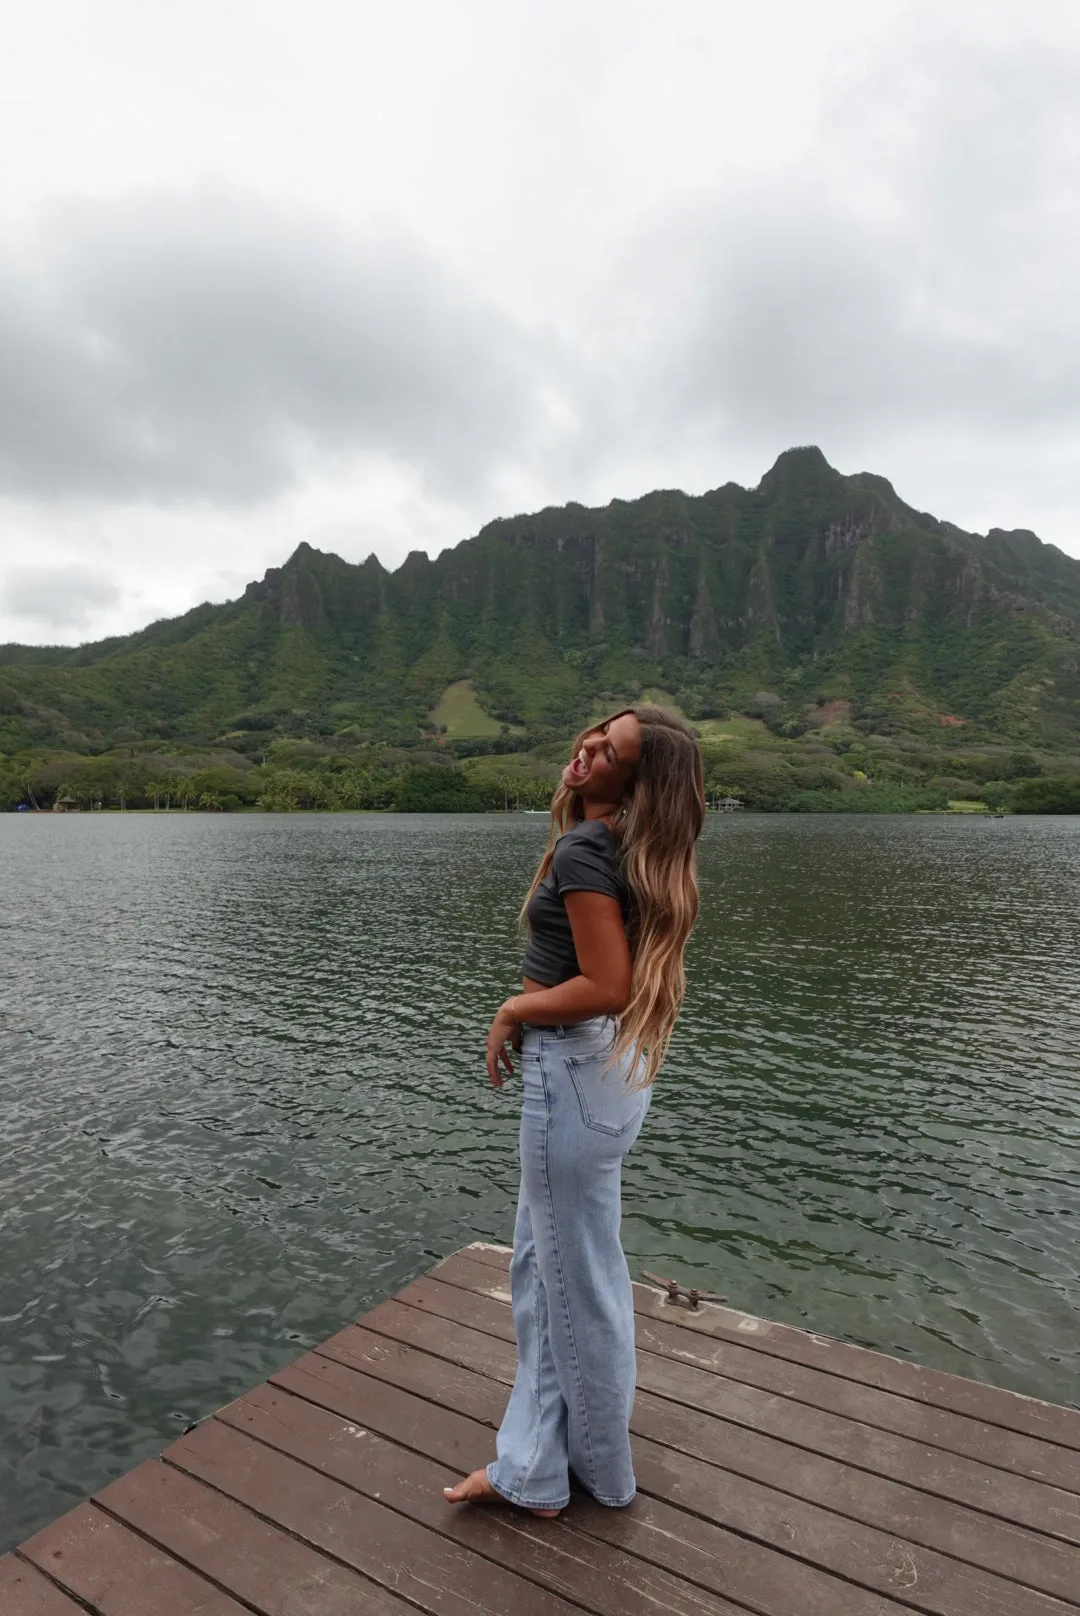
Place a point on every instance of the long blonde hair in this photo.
(656, 827)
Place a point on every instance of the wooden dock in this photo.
(780, 1473)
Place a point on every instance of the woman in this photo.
(609, 912)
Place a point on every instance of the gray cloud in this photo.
(61, 597)
(653, 254)
(207, 345)
(910, 272)
(914, 273)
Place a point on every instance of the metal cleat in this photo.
(682, 1293)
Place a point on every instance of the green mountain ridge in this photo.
(813, 588)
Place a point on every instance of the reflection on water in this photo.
(243, 1097)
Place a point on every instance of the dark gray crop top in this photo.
(586, 859)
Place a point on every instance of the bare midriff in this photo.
(530, 985)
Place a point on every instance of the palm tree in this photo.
(506, 785)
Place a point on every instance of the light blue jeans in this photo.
(570, 1286)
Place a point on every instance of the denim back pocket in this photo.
(607, 1104)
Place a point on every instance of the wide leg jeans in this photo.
(569, 1410)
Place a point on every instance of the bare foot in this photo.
(477, 1489)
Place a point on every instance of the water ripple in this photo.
(243, 1097)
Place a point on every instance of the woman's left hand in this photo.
(504, 1030)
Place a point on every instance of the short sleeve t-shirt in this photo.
(585, 859)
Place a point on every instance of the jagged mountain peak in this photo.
(815, 583)
(799, 472)
(303, 553)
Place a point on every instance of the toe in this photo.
(475, 1488)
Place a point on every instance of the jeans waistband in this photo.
(591, 1028)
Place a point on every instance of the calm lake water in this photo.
(243, 1098)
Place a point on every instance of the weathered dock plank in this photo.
(986, 1404)
(780, 1473)
(927, 1466)
(246, 1555)
(114, 1572)
(962, 1533)
(25, 1590)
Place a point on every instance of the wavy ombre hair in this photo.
(657, 828)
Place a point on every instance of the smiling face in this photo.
(603, 766)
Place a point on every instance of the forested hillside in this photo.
(810, 601)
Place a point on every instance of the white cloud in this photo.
(58, 597)
(906, 271)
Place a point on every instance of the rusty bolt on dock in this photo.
(682, 1293)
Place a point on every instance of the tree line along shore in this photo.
(830, 769)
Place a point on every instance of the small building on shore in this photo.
(65, 805)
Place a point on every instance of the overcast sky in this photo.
(370, 275)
